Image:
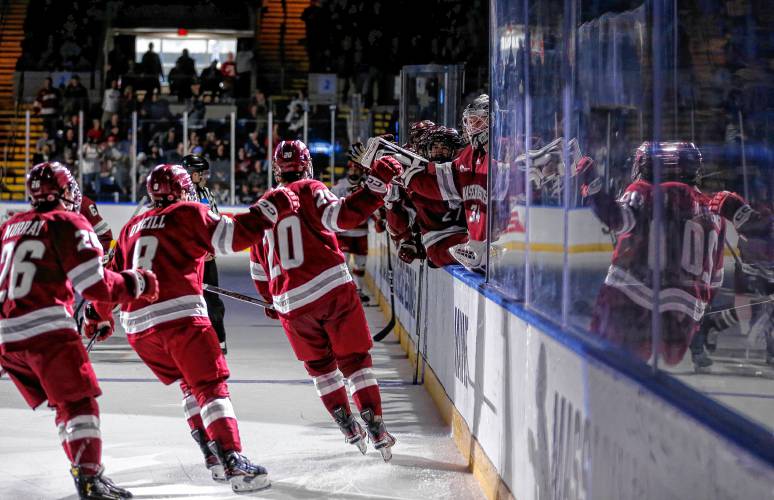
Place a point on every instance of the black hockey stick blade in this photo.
(385, 331)
(237, 296)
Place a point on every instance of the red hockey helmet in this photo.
(292, 156)
(417, 132)
(475, 121)
(169, 183)
(441, 144)
(680, 162)
(49, 182)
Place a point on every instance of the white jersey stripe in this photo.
(160, 312)
(313, 289)
(432, 237)
(444, 173)
(330, 216)
(38, 322)
(257, 272)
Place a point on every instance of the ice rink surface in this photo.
(148, 449)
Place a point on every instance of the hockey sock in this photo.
(78, 424)
(192, 412)
(362, 382)
(329, 382)
(217, 414)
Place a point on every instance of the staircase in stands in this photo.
(12, 126)
(282, 60)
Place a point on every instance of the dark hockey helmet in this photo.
(50, 182)
(195, 163)
(417, 131)
(441, 144)
(292, 157)
(475, 121)
(680, 162)
(168, 183)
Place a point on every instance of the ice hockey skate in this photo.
(382, 440)
(210, 460)
(240, 472)
(352, 430)
(96, 486)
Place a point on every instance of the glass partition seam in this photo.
(528, 159)
(657, 216)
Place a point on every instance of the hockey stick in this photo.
(237, 296)
(422, 278)
(387, 329)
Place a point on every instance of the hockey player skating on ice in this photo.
(199, 169)
(174, 336)
(48, 253)
(691, 250)
(300, 268)
(354, 242)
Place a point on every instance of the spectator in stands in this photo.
(186, 64)
(221, 193)
(151, 69)
(75, 97)
(90, 162)
(253, 148)
(111, 101)
(257, 179)
(316, 33)
(244, 196)
(116, 128)
(115, 169)
(196, 108)
(156, 109)
(169, 142)
(211, 78)
(96, 132)
(45, 141)
(228, 70)
(118, 65)
(220, 164)
(70, 53)
(69, 143)
(47, 106)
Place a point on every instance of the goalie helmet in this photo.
(290, 157)
(168, 183)
(49, 182)
(475, 121)
(680, 162)
(441, 144)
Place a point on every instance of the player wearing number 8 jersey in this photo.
(300, 268)
(174, 336)
(48, 253)
(691, 251)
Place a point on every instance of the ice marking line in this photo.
(382, 383)
(740, 395)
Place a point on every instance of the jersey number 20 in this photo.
(289, 245)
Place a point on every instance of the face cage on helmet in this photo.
(476, 124)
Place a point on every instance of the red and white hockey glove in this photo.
(94, 324)
(271, 313)
(410, 250)
(588, 179)
(382, 172)
(276, 204)
(731, 206)
(142, 284)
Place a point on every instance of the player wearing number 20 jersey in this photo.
(300, 268)
(174, 336)
(690, 254)
(47, 254)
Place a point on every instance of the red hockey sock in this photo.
(78, 424)
(365, 390)
(192, 412)
(217, 415)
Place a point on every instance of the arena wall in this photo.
(540, 413)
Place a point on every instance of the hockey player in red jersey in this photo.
(354, 242)
(174, 336)
(48, 253)
(691, 251)
(300, 268)
(462, 181)
(101, 228)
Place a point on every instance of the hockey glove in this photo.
(142, 284)
(271, 313)
(93, 324)
(410, 250)
(276, 204)
(382, 173)
(357, 152)
(589, 181)
(731, 206)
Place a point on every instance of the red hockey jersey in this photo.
(342, 189)
(461, 181)
(173, 241)
(45, 257)
(299, 263)
(691, 246)
(89, 210)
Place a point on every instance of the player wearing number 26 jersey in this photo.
(690, 253)
(174, 336)
(300, 268)
(47, 254)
